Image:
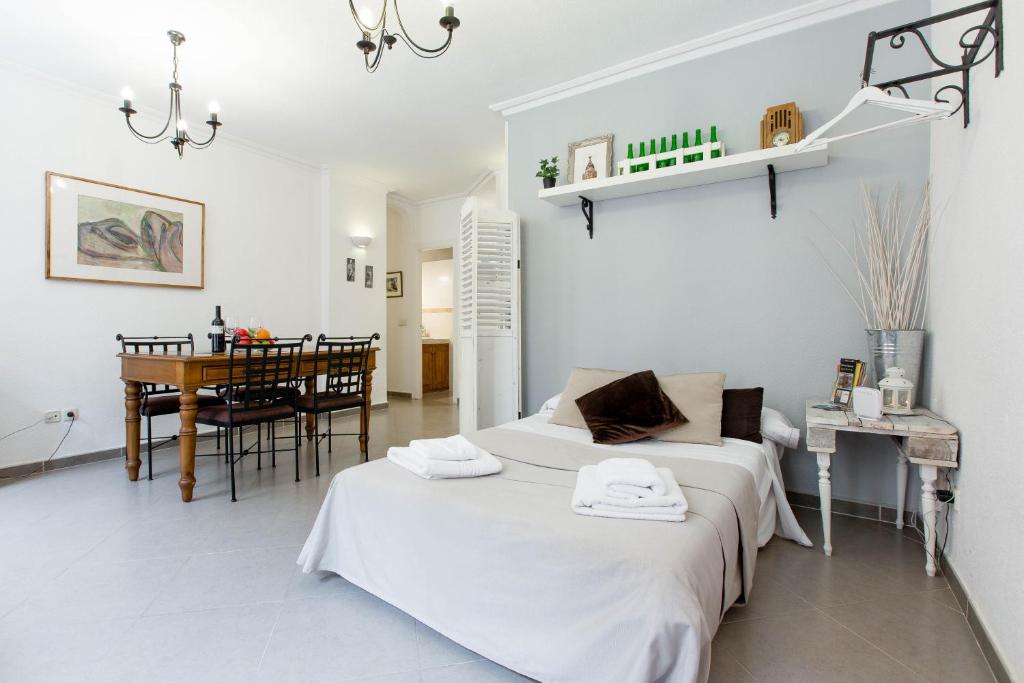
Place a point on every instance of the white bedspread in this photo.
(761, 460)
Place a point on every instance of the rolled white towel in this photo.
(591, 498)
(428, 468)
(455, 447)
(630, 478)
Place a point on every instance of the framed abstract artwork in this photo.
(100, 232)
(350, 270)
(393, 284)
(368, 277)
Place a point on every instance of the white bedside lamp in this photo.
(897, 392)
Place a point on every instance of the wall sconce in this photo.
(361, 241)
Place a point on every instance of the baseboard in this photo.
(25, 469)
(853, 508)
(401, 394)
(995, 663)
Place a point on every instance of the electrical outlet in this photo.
(51, 416)
(70, 414)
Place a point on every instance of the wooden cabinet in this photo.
(436, 366)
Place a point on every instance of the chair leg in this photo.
(316, 438)
(231, 458)
(149, 442)
(318, 449)
(330, 434)
(218, 438)
(259, 446)
(364, 432)
(273, 444)
(297, 446)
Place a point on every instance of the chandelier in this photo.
(376, 33)
(180, 137)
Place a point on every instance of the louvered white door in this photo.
(489, 320)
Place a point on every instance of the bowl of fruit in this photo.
(252, 336)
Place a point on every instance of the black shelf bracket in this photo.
(972, 41)
(587, 207)
(771, 187)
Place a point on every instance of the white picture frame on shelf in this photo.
(590, 159)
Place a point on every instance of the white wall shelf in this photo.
(761, 162)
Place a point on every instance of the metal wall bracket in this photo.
(972, 41)
(587, 207)
(771, 186)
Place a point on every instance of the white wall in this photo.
(359, 208)
(402, 312)
(57, 349)
(976, 323)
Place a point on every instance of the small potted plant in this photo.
(548, 172)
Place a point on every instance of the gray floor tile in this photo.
(347, 637)
(88, 592)
(808, 646)
(727, 669)
(473, 672)
(219, 646)
(315, 585)
(922, 633)
(768, 598)
(437, 650)
(58, 652)
(241, 577)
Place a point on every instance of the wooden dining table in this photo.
(189, 373)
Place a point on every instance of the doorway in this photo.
(437, 321)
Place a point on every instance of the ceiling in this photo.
(288, 76)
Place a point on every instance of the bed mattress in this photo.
(501, 564)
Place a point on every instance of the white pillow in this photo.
(548, 407)
(778, 428)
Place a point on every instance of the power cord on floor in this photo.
(42, 465)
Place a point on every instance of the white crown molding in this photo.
(401, 200)
(106, 98)
(766, 27)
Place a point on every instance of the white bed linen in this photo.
(761, 460)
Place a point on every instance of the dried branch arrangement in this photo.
(890, 257)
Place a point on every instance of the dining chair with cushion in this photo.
(345, 362)
(163, 399)
(263, 381)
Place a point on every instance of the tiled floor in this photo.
(102, 579)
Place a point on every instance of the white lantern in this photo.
(897, 392)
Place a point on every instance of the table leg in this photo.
(929, 474)
(364, 423)
(901, 488)
(310, 417)
(132, 392)
(825, 492)
(187, 404)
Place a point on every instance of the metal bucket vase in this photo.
(897, 348)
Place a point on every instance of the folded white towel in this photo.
(591, 498)
(455, 447)
(428, 468)
(630, 478)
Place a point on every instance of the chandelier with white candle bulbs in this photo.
(179, 137)
(376, 33)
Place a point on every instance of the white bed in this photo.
(501, 564)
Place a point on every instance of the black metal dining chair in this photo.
(263, 381)
(346, 361)
(163, 399)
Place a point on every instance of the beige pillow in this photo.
(582, 381)
(699, 397)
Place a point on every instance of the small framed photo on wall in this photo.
(591, 158)
(350, 269)
(393, 284)
(369, 277)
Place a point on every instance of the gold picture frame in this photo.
(168, 249)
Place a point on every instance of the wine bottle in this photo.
(217, 332)
(686, 145)
(662, 163)
(697, 143)
(715, 153)
(629, 155)
(643, 153)
(675, 146)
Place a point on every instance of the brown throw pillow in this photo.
(741, 413)
(628, 409)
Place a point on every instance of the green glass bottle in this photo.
(697, 143)
(715, 153)
(675, 146)
(662, 163)
(643, 153)
(629, 155)
(686, 145)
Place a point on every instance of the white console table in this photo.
(927, 441)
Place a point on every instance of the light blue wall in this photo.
(702, 279)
